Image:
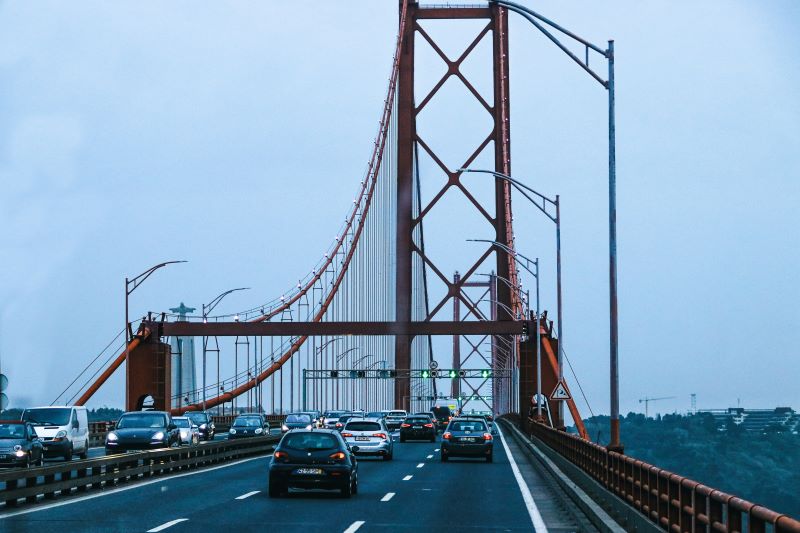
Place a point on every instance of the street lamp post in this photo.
(542, 204)
(207, 308)
(540, 22)
(130, 286)
(535, 274)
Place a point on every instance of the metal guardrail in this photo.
(225, 421)
(672, 501)
(80, 476)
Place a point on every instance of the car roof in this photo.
(148, 412)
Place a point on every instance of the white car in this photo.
(395, 418)
(190, 432)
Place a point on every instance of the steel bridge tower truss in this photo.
(409, 220)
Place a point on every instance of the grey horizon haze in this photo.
(234, 135)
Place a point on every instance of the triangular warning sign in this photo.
(560, 392)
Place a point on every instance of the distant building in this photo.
(184, 372)
(756, 420)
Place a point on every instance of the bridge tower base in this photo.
(149, 373)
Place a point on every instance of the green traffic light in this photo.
(452, 373)
(426, 374)
(485, 373)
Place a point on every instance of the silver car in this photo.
(371, 436)
(395, 418)
(190, 432)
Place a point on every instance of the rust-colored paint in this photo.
(149, 372)
(108, 372)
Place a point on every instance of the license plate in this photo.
(362, 438)
(3, 456)
(467, 439)
(417, 427)
(308, 471)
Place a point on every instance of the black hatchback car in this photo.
(417, 427)
(19, 445)
(313, 459)
(143, 430)
(204, 423)
(467, 437)
(249, 425)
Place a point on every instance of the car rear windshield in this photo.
(418, 420)
(363, 426)
(467, 425)
(441, 412)
(12, 431)
(333, 414)
(397, 413)
(47, 417)
(375, 414)
(142, 420)
(309, 441)
(298, 419)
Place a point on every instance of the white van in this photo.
(63, 430)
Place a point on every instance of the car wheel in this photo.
(347, 490)
(68, 454)
(40, 462)
(402, 438)
(388, 457)
(85, 454)
(433, 438)
(444, 458)
(355, 485)
(489, 458)
(275, 490)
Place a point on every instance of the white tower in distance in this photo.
(184, 375)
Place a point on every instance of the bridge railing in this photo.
(103, 472)
(674, 502)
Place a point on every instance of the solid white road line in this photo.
(171, 523)
(533, 511)
(243, 496)
(429, 457)
(354, 526)
(420, 465)
(407, 478)
(122, 489)
(389, 496)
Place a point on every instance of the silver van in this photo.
(63, 430)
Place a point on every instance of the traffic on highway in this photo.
(320, 458)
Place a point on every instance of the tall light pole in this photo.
(542, 202)
(130, 286)
(207, 308)
(535, 273)
(540, 22)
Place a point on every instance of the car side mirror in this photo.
(354, 449)
(172, 427)
(75, 424)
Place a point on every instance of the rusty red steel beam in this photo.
(674, 502)
(102, 378)
(313, 329)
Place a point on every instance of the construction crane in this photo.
(647, 401)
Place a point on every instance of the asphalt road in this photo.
(414, 492)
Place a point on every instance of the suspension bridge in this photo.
(362, 329)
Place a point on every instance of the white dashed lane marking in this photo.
(243, 496)
(389, 496)
(171, 523)
(354, 526)
(407, 478)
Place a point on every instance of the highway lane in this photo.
(460, 494)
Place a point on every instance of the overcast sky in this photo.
(234, 135)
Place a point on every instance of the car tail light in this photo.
(487, 436)
(428, 425)
(347, 434)
(338, 456)
(281, 455)
(405, 425)
(379, 435)
(446, 435)
(338, 425)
